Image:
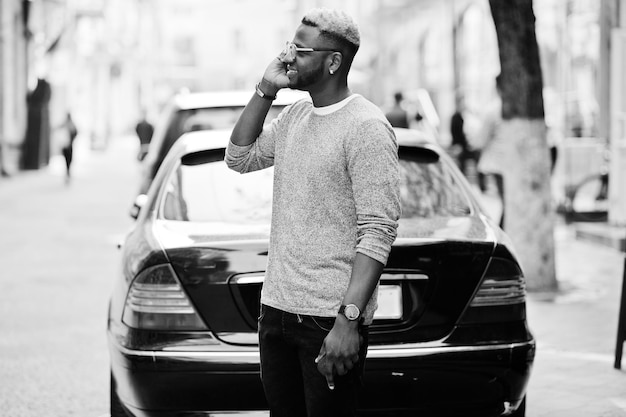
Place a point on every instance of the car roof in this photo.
(239, 98)
(413, 137)
(201, 140)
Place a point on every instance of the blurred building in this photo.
(13, 82)
(108, 60)
(42, 77)
(449, 50)
(200, 45)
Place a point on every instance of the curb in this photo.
(602, 233)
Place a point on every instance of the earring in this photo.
(331, 71)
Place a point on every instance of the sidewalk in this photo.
(603, 234)
(576, 332)
(59, 259)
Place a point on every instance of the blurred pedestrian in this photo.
(3, 171)
(144, 131)
(554, 139)
(36, 149)
(334, 154)
(69, 134)
(493, 148)
(397, 116)
(461, 148)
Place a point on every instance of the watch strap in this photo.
(261, 94)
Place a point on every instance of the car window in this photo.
(211, 192)
(429, 189)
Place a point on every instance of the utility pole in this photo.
(456, 70)
(614, 29)
(607, 23)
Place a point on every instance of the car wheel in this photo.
(116, 408)
(521, 410)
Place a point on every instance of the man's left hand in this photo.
(340, 351)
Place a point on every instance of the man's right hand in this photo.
(275, 77)
(250, 123)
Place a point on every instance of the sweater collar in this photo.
(326, 110)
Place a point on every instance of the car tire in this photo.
(521, 410)
(116, 408)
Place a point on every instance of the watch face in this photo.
(352, 312)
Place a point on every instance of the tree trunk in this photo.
(529, 216)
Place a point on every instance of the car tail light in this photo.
(157, 301)
(503, 284)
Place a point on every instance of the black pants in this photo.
(68, 154)
(464, 157)
(499, 181)
(289, 344)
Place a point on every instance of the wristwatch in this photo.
(261, 94)
(351, 312)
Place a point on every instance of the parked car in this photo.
(450, 337)
(201, 111)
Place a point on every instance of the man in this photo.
(459, 140)
(397, 116)
(493, 149)
(68, 148)
(144, 130)
(460, 144)
(335, 211)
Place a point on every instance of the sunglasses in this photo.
(291, 50)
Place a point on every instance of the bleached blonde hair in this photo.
(335, 24)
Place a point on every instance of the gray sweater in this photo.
(336, 193)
